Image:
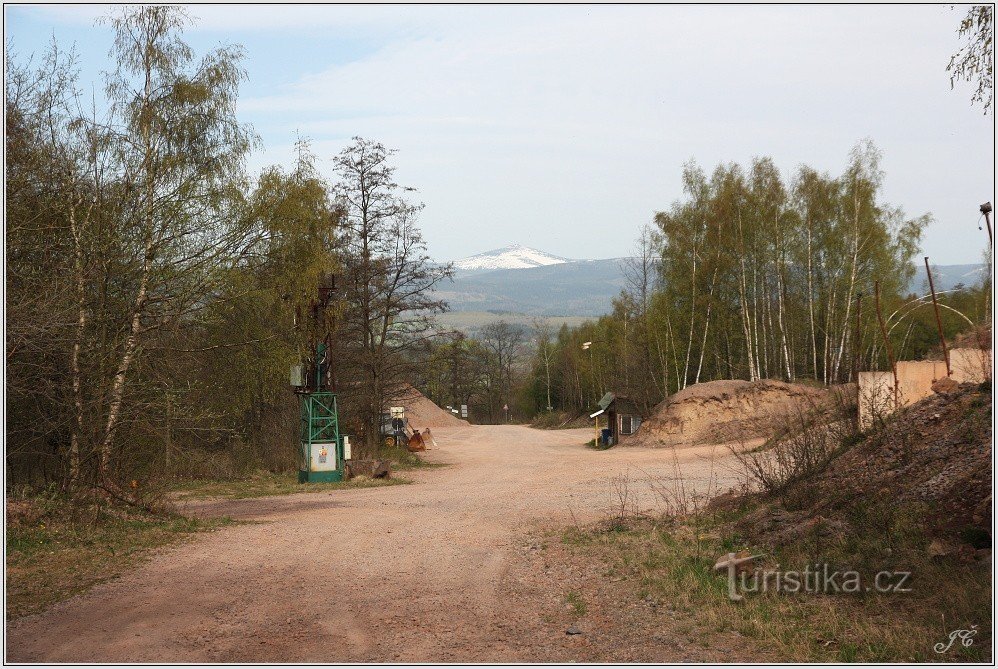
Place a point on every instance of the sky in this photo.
(566, 128)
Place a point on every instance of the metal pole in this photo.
(986, 210)
(939, 322)
(592, 370)
(887, 341)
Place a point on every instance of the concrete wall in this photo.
(970, 365)
(915, 379)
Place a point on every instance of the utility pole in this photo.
(939, 322)
(986, 210)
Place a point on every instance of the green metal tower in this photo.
(322, 449)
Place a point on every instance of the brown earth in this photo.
(446, 570)
(722, 411)
(933, 458)
(422, 412)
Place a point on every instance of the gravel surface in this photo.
(435, 571)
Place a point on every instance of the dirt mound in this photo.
(722, 411)
(930, 464)
(421, 412)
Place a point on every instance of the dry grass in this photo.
(670, 553)
(402, 460)
(58, 548)
(674, 564)
(805, 441)
(267, 484)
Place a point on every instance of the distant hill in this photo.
(576, 288)
(946, 277)
(472, 322)
(516, 256)
(563, 290)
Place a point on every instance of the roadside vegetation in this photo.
(157, 291)
(666, 564)
(58, 548)
(267, 484)
(402, 460)
(909, 496)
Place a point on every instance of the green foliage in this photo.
(974, 62)
(752, 277)
(157, 297)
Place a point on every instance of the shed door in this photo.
(626, 425)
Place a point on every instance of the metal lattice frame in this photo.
(319, 422)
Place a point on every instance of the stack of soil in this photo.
(423, 413)
(720, 412)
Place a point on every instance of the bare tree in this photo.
(505, 342)
(389, 280)
(542, 340)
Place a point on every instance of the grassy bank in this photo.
(57, 548)
(671, 566)
(899, 515)
(267, 484)
(402, 460)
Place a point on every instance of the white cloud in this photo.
(566, 127)
(561, 125)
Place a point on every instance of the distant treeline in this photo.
(749, 276)
(758, 278)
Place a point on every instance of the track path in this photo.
(404, 573)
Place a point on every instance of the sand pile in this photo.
(421, 412)
(722, 411)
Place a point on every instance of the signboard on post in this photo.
(464, 411)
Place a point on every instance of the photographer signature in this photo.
(966, 638)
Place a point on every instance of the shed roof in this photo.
(607, 401)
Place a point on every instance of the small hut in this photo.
(623, 418)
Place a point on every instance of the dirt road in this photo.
(435, 571)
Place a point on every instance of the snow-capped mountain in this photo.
(516, 256)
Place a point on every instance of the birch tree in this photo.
(180, 153)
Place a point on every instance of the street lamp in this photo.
(588, 346)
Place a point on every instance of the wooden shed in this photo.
(619, 415)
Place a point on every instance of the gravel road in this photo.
(433, 571)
